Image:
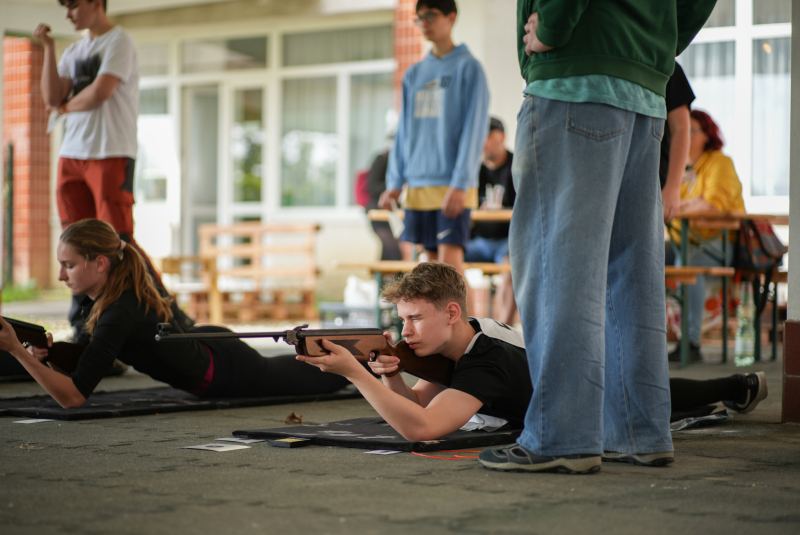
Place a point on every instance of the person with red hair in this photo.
(709, 185)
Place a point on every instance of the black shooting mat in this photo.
(148, 401)
(376, 434)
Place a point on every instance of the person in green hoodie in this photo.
(586, 238)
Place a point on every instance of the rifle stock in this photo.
(434, 368)
(63, 355)
(360, 342)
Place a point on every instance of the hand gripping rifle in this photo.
(360, 342)
(62, 355)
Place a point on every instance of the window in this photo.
(155, 159)
(337, 46)
(247, 141)
(772, 11)
(200, 149)
(309, 144)
(724, 14)
(210, 55)
(153, 59)
(371, 98)
(771, 101)
(710, 68)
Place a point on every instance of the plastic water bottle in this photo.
(745, 333)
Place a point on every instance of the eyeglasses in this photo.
(428, 17)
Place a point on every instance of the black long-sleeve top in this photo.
(126, 332)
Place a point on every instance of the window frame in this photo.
(270, 80)
(739, 144)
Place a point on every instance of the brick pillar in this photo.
(408, 42)
(25, 127)
(791, 372)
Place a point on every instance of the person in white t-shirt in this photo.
(96, 85)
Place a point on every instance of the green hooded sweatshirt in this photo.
(635, 40)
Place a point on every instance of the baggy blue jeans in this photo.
(587, 258)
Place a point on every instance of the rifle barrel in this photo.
(207, 336)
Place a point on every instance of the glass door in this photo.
(200, 160)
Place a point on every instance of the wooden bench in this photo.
(193, 280)
(251, 270)
(400, 266)
(689, 274)
(380, 269)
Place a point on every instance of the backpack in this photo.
(757, 247)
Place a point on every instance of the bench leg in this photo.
(379, 282)
(724, 320)
(684, 296)
(775, 321)
(247, 312)
(758, 290)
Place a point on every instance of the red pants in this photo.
(99, 189)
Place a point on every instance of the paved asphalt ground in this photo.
(129, 476)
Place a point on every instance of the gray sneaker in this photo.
(641, 459)
(515, 458)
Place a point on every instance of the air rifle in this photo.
(360, 342)
(62, 355)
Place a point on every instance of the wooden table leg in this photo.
(775, 322)
(725, 298)
(684, 293)
(378, 311)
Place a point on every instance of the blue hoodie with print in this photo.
(443, 124)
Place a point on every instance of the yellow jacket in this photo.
(714, 180)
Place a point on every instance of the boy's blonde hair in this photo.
(435, 282)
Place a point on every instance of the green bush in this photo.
(27, 291)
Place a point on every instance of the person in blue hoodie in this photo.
(437, 149)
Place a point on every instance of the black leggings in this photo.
(688, 393)
(240, 371)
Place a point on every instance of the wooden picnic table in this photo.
(479, 216)
(724, 222)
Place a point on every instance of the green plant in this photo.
(27, 291)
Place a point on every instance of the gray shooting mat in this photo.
(376, 434)
(148, 401)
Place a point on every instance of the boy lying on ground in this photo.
(491, 376)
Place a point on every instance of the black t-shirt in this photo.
(500, 176)
(126, 332)
(495, 371)
(679, 93)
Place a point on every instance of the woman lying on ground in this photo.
(122, 311)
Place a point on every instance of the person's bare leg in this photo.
(454, 255)
(407, 250)
(451, 254)
(508, 306)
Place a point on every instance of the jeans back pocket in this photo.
(596, 121)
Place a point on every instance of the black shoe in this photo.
(515, 458)
(756, 385)
(694, 353)
(641, 459)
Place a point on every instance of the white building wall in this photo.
(793, 312)
(489, 29)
